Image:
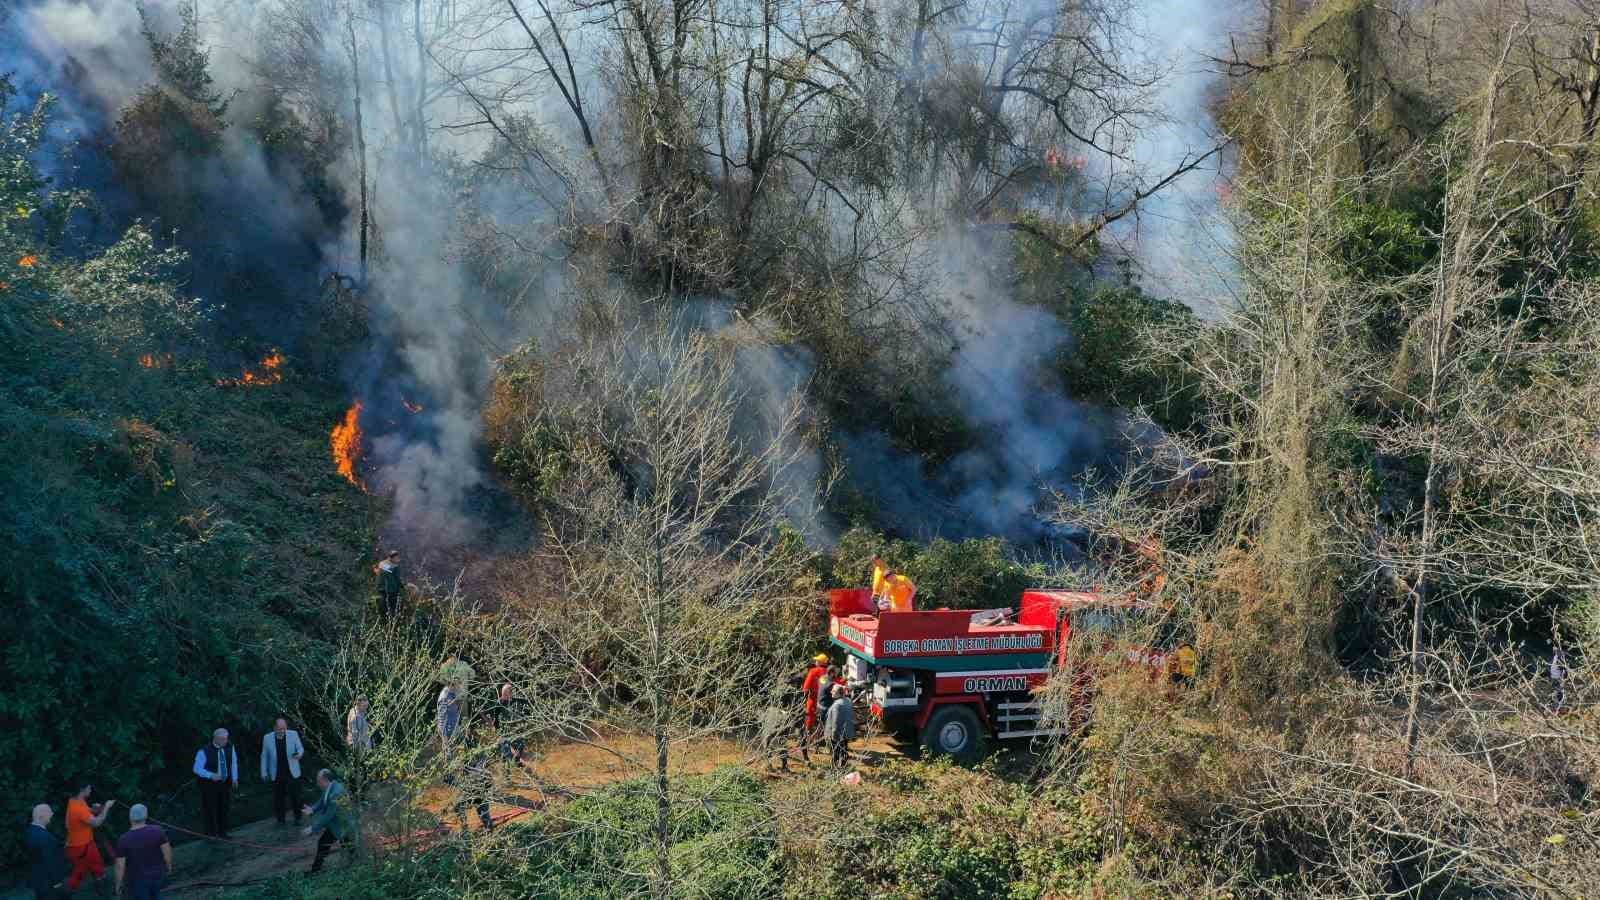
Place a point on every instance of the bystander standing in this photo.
(144, 856)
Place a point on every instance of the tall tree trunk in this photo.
(361, 145)
(421, 137)
(1459, 261)
(660, 668)
(663, 824)
(388, 70)
(1419, 606)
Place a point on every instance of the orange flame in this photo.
(58, 323)
(345, 442)
(265, 372)
(412, 408)
(29, 261)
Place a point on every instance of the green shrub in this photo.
(977, 573)
(941, 831)
(724, 846)
(165, 543)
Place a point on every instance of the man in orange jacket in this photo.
(813, 678)
(82, 851)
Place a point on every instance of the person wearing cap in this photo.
(82, 849)
(390, 584)
(814, 676)
(809, 686)
(144, 856)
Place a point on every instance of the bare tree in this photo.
(685, 596)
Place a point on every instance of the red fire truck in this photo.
(951, 678)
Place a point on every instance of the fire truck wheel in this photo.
(953, 731)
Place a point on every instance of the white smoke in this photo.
(1027, 437)
(1180, 239)
(438, 324)
(774, 376)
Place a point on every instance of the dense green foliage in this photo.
(977, 573)
(173, 552)
(939, 831)
(917, 831)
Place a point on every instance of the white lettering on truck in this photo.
(964, 644)
(994, 685)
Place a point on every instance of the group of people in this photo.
(470, 759)
(143, 853)
(216, 771)
(828, 702)
(827, 696)
(830, 712)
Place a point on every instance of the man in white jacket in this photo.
(281, 751)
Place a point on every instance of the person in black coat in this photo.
(390, 585)
(47, 858)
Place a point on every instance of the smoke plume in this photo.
(449, 245)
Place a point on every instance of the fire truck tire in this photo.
(953, 731)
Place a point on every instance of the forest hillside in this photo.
(1262, 337)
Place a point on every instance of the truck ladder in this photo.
(1014, 718)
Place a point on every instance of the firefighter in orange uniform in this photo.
(814, 676)
(900, 590)
(880, 574)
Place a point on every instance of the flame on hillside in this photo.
(345, 443)
(155, 360)
(268, 371)
(29, 261)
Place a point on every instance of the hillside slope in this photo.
(169, 537)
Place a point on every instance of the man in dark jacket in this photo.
(330, 815)
(840, 725)
(506, 715)
(47, 859)
(390, 585)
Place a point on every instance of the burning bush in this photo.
(268, 371)
(345, 444)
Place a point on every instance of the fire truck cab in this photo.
(953, 678)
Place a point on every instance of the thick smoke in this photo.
(437, 323)
(1031, 441)
(774, 377)
(431, 321)
(1181, 239)
(1028, 438)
